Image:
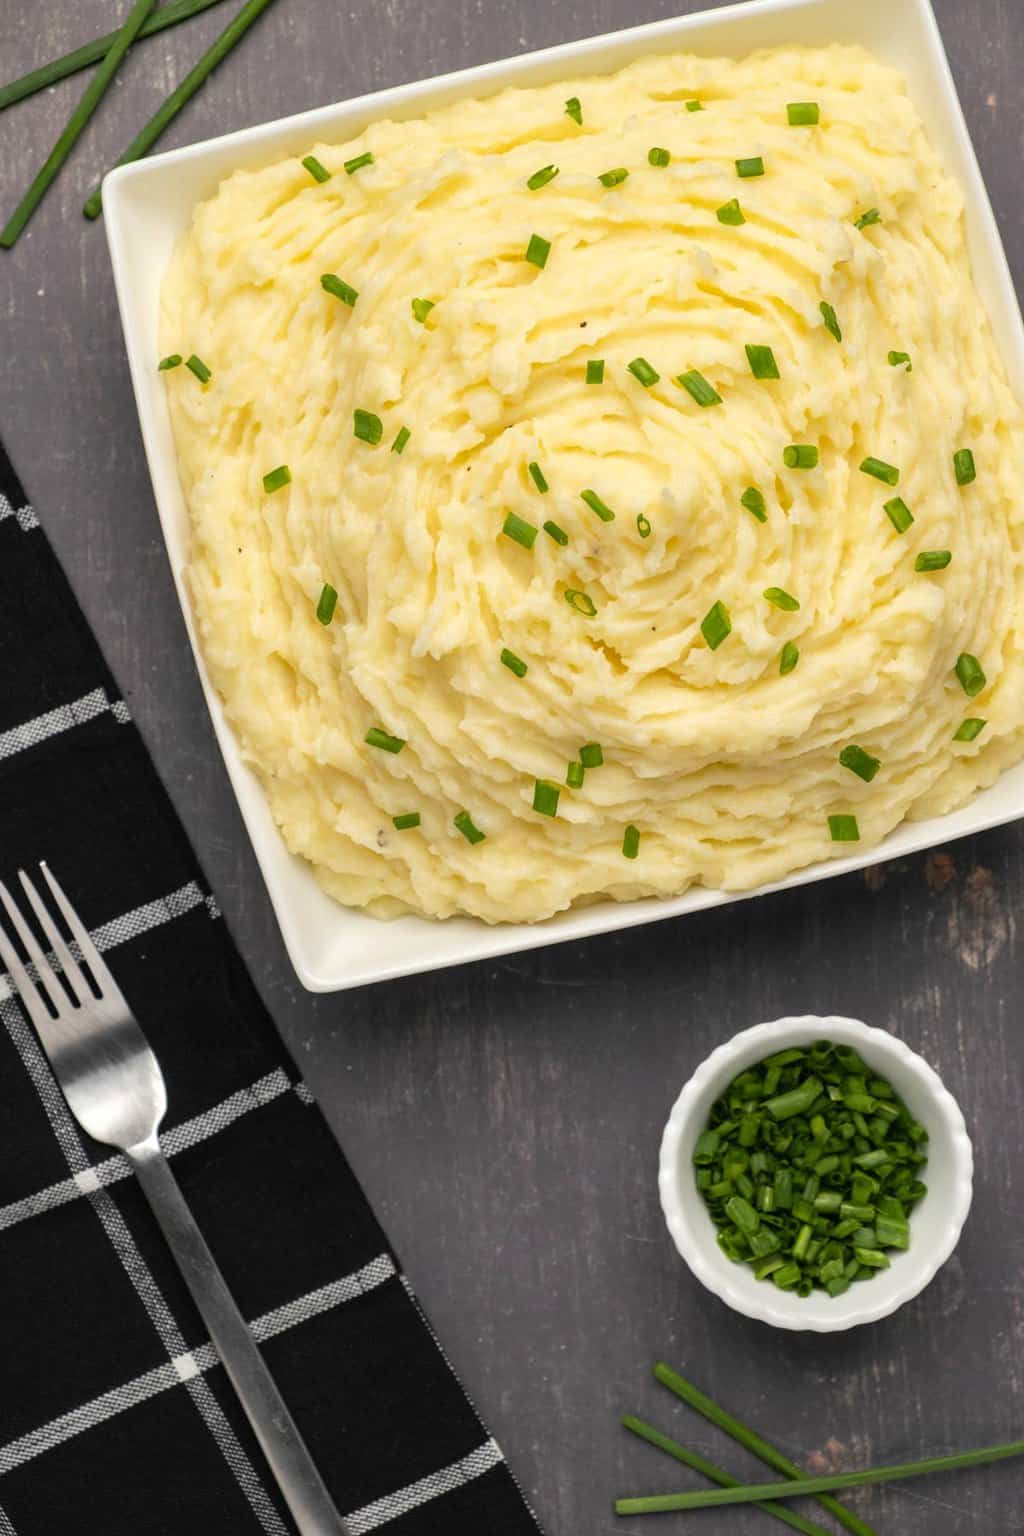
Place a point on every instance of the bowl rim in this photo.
(703, 1257)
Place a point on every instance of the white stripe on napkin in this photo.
(6, 1528)
(64, 718)
(27, 519)
(434, 1486)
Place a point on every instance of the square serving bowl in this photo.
(150, 204)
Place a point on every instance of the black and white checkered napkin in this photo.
(115, 1417)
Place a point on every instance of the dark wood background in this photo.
(505, 1117)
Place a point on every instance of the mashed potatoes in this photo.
(720, 713)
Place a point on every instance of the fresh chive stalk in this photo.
(545, 798)
(331, 283)
(613, 178)
(716, 625)
(316, 170)
(574, 110)
(964, 467)
(658, 157)
(592, 755)
(367, 426)
(970, 674)
(421, 309)
(643, 526)
(880, 470)
(519, 530)
(542, 177)
(843, 829)
(327, 603)
(780, 598)
(762, 362)
(933, 560)
(641, 369)
(969, 730)
(406, 821)
(173, 360)
(872, 216)
(358, 163)
(788, 658)
(465, 824)
(752, 166)
(896, 359)
(277, 479)
(802, 114)
(538, 250)
(401, 438)
(698, 388)
(574, 775)
(832, 325)
(860, 762)
(730, 213)
(514, 663)
(753, 500)
(595, 370)
(196, 365)
(597, 506)
(631, 842)
(581, 602)
(553, 531)
(375, 737)
(899, 514)
(800, 456)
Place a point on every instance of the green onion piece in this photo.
(471, 833)
(595, 504)
(375, 737)
(797, 1101)
(754, 503)
(545, 798)
(881, 470)
(800, 456)
(788, 658)
(963, 464)
(802, 114)
(341, 290)
(658, 157)
(173, 360)
(779, 598)
(402, 437)
(933, 560)
(630, 842)
(754, 166)
(512, 661)
(694, 106)
(595, 370)
(698, 387)
(969, 671)
(828, 314)
(968, 730)
(537, 476)
(899, 514)
(574, 110)
(542, 177)
(896, 358)
(643, 526)
(730, 212)
(554, 532)
(198, 367)
(574, 775)
(641, 369)
(592, 755)
(327, 603)
(519, 530)
(367, 427)
(581, 602)
(351, 166)
(863, 765)
(613, 178)
(277, 478)
(315, 169)
(421, 309)
(762, 362)
(843, 829)
(871, 217)
(716, 625)
(406, 821)
(538, 250)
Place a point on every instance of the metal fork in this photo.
(113, 1084)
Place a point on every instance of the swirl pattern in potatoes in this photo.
(745, 571)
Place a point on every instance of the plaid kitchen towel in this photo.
(116, 1418)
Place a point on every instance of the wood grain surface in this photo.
(505, 1117)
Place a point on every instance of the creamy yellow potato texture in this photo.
(596, 326)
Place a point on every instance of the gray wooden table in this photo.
(505, 1117)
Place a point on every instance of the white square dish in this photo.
(150, 204)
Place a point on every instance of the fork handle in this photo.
(300, 1483)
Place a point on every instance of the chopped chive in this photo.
(421, 309)
(896, 358)
(899, 514)
(173, 360)
(802, 114)
(542, 177)
(641, 369)
(375, 737)
(581, 602)
(367, 427)
(754, 166)
(860, 762)
(828, 314)
(330, 283)
(697, 386)
(659, 157)
(694, 106)
(595, 370)
(800, 456)
(730, 212)
(538, 250)
(788, 658)
(967, 730)
(315, 169)
(754, 503)
(277, 478)
(779, 598)
(514, 663)
(630, 842)
(613, 178)
(406, 821)
(403, 436)
(537, 476)
(351, 166)
(574, 110)
(545, 797)
(595, 504)
(762, 362)
(198, 367)
(933, 560)
(471, 833)
(871, 217)
(643, 526)
(881, 470)
(327, 603)
(843, 829)
(969, 671)
(519, 530)
(716, 625)
(554, 532)
(592, 755)
(963, 464)
(574, 775)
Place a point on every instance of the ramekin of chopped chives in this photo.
(807, 1157)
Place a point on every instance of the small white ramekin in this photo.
(936, 1222)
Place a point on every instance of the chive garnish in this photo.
(779, 598)
(333, 284)
(660, 157)
(421, 309)
(316, 170)
(537, 476)
(594, 502)
(730, 212)
(694, 106)
(800, 456)
(351, 166)
(514, 663)
(933, 560)
(574, 775)
(519, 530)
(899, 514)
(968, 729)
(871, 217)
(277, 478)
(716, 625)
(545, 797)
(375, 737)
(762, 362)
(630, 842)
(788, 658)
(198, 367)
(753, 166)
(843, 829)
(860, 762)
(643, 526)
(592, 755)
(327, 603)
(542, 177)
(754, 503)
(963, 464)
(554, 532)
(641, 369)
(538, 250)
(595, 370)
(367, 427)
(613, 178)
(471, 833)
(697, 386)
(402, 437)
(828, 314)
(969, 672)
(896, 358)
(802, 114)
(581, 602)
(888, 473)
(574, 110)
(406, 821)
(173, 360)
